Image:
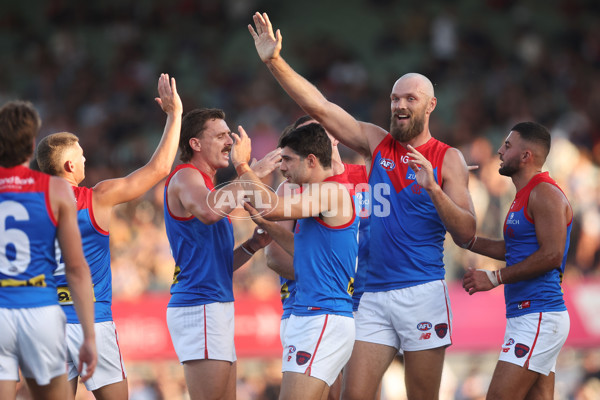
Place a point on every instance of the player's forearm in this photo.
(493, 248)
(537, 264)
(164, 155)
(304, 93)
(460, 223)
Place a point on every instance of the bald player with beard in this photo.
(419, 192)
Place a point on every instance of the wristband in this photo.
(491, 276)
(498, 274)
(242, 168)
(469, 245)
(248, 250)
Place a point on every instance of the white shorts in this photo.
(203, 332)
(32, 339)
(282, 328)
(534, 340)
(410, 319)
(110, 368)
(318, 346)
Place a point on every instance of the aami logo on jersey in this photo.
(387, 164)
(424, 326)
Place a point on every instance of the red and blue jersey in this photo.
(542, 293)
(324, 265)
(96, 248)
(27, 235)
(409, 233)
(203, 255)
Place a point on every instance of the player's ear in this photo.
(195, 144)
(312, 160)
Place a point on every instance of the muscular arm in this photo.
(493, 248)
(552, 213)
(108, 193)
(76, 268)
(359, 136)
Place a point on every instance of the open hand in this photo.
(268, 45)
(169, 99)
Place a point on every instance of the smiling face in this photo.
(411, 103)
(214, 144)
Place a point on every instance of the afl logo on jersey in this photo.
(424, 326)
(387, 164)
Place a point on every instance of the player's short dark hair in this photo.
(19, 125)
(193, 125)
(309, 139)
(535, 133)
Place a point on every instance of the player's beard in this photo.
(410, 131)
(509, 168)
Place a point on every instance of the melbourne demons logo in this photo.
(521, 350)
(441, 330)
(387, 164)
(302, 357)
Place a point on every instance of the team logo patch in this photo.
(521, 350)
(415, 188)
(441, 330)
(424, 326)
(302, 357)
(387, 164)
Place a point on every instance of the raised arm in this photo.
(451, 200)
(115, 191)
(76, 269)
(359, 136)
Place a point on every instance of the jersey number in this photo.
(15, 252)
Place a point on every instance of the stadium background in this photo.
(91, 68)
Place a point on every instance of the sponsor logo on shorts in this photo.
(424, 326)
(524, 304)
(521, 350)
(302, 357)
(387, 164)
(505, 349)
(425, 336)
(441, 330)
(291, 349)
(510, 342)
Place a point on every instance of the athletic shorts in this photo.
(110, 368)
(282, 328)
(534, 340)
(410, 319)
(318, 346)
(32, 339)
(202, 332)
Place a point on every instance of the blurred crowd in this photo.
(91, 68)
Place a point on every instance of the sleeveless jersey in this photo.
(356, 176)
(27, 234)
(324, 265)
(410, 234)
(203, 255)
(96, 249)
(543, 293)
